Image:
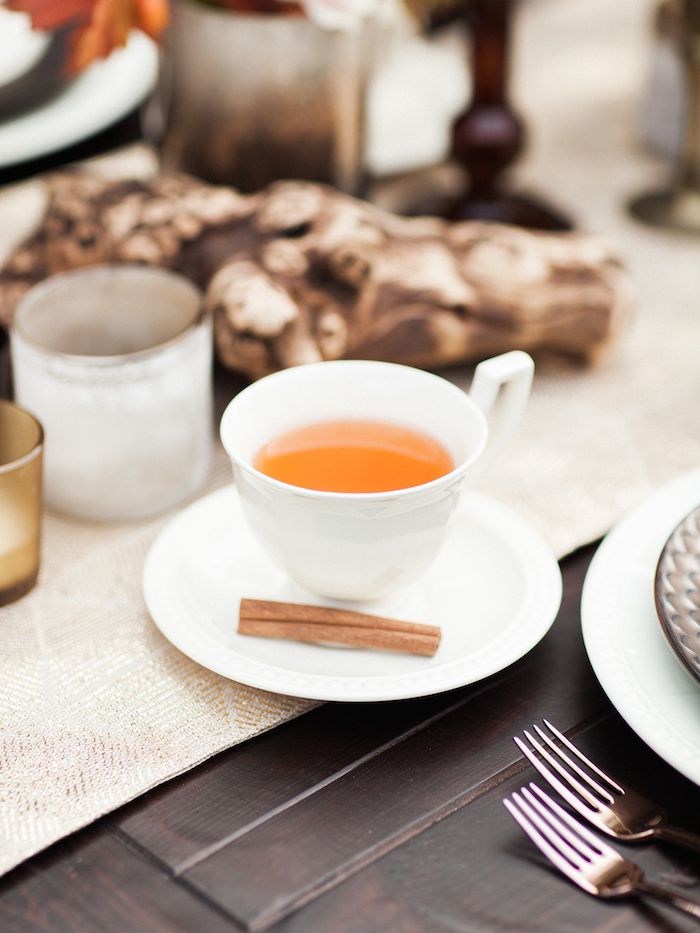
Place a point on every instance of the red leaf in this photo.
(101, 25)
(111, 23)
(52, 14)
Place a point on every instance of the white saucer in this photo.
(96, 98)
(495, 589)
(623, 636)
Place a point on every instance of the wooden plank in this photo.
(200, 812)
(324, 838)
(96, 882)
(476, 870)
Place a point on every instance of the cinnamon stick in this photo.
(269, 619)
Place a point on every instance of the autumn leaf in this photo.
(108, 29)
(152, 16)
(99, 25)
(52, 14)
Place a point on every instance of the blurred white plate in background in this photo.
(418, 87)
(20, 48)
(95, 99)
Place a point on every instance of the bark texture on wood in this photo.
(298, 272)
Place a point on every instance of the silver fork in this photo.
(617, 811)
(584, 858)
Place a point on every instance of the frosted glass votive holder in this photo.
(116, 362)
(21, 442)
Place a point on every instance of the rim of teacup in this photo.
(319, 494)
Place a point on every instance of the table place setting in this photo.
(273, 456)
(376, 550)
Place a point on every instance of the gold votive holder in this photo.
(21, 450)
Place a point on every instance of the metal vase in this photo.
(249, 99)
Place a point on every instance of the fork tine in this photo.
(576, 802)
(514, 808)
(545, 806)
(570, 745)
(599, 847)
(606, 795)
(550, 831)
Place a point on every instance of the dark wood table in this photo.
(358, 818)
(364, 817)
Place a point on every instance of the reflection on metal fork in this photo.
(617, 811)
(584, 858)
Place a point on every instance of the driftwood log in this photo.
(299, 272)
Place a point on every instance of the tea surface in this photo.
(354, 456)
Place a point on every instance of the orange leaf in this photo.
(152, 16)
(52, 14)
(101, 25)
(109, 28)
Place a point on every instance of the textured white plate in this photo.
(494, 589)
(95, 99)
(20, 47)
(623, 636)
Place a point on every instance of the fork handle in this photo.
(679, 837)
(662, 893)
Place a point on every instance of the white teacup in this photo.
(361, 546)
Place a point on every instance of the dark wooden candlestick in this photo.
(489, 136)
(5, 380)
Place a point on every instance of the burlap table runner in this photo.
(96, 707)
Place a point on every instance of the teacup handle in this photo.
(501, 388)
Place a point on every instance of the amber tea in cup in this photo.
(356, 456)
(21, 443)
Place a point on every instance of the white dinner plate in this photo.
(494, 589)
(623, 636)
(96, 98)
(21, 48)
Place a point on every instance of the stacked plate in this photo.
(30, 64)
(44, 109)
(641, 617)
(677, 592)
